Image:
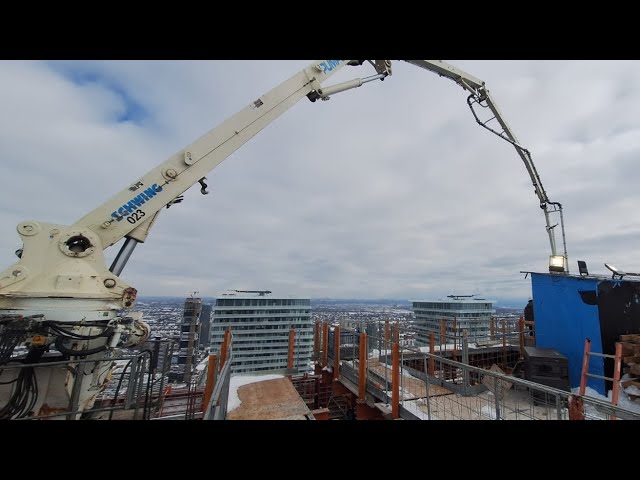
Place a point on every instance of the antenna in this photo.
(259, 292)
(620, 273)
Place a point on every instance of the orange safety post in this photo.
(316, 341)
(576, 408)
(443, 334)
(395, 381)
(585, 367)
(387, 335)
(292, 336)
(211, 381)
(396, 332)
(325, 343)
(432, 348)
(225, 346)
(362, 377)
(336, 353)
(616, 376)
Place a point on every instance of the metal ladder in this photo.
(617, 367)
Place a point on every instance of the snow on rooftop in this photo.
(417, 407)
(238, 381)
(623, 400)
(203, 364)
(632, 390)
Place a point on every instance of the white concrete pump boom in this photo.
(118, 218)
(479, 95)
(61, 299)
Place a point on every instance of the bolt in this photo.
(16, 273)
(109, 283)
(28, 228)
(171, 173)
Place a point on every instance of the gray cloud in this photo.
(389, 190)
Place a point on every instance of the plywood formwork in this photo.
(270, 400)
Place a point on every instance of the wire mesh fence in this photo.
(453, 378)
(134, 390)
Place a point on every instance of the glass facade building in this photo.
(260, 324)
(472, 314)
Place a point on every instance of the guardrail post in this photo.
(362, 376)
(504, 344)
(616, 376)
(211, 381)
(316, 341)
(325, 343)
(426, 385)
(455, 338)
(225, 346)
(336, 353)
(585, 367)
(75, 391)
(292, 336)
(395, 384)
(521, 330)
(465, 359)
(432, 350)
(576, 408)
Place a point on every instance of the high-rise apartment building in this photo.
(260, 323)
(204, 338)
(470, 313)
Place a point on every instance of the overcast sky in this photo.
(390, 190)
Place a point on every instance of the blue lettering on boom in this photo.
(329, 65)
(125, 210)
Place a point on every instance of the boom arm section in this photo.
(60, 300)
(128, 212)
(479, 95)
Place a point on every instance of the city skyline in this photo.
(387, 191)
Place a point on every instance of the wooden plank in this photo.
(629, 348)
(633, 338)
(634, 369)
(631, 359)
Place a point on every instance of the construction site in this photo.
(366, 377)
(73, 347)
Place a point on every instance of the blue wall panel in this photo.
(563, 321)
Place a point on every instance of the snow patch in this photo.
(488, 411)
(203, 364)
(623, 400)
(632, 390)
